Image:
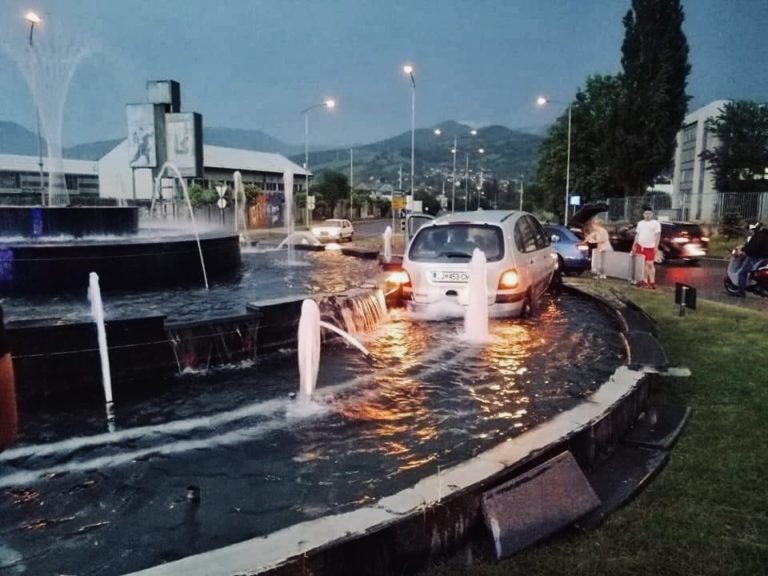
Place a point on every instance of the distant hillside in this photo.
(248, 140)
(91, 150)
(507, 155)
(15, 139)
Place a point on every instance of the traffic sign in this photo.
(398, 203)
(221, 203)
(221, 190)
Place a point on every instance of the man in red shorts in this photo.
(647, 236)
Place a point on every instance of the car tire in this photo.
(527, 309)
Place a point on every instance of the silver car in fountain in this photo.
(520, 262)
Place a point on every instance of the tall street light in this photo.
(454, 151)
(542, 101)
(466, 181)
(34, 19)
(330, 104)
(408, 69)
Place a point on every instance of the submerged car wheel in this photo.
(527, 309)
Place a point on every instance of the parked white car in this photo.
(335, 230)
(520, 262)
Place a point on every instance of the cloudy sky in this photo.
(256, 64)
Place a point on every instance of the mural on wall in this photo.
(141, 135)
(266, 211)
(184, 143)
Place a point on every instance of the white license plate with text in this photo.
(457, 277)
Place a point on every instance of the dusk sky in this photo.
(256, 64)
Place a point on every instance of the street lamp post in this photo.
(408, 69)
(466, 181)
(328, 103)
(454, 151)
(34, 19)
(542, 101)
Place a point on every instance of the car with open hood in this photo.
(519, 261)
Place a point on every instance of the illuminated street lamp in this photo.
(542, 101)
(330, 104)
(408, 69)
(33, 20)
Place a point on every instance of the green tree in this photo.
(592, 171)
(332, 186)
(739, 160)
(655, 72)
(199, 196)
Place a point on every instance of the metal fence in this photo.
(702, 208)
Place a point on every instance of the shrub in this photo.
(731, 226)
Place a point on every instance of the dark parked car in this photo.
(572, 251)
(679, 241)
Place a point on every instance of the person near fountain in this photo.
(8, 417)
(598, 235)
(647, 237)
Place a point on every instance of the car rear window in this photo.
(456, 242)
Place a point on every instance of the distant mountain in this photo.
(91, 150)
(15, 139)
(248, 140)
(506, 155)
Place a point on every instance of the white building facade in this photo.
(118, 180)
(693, 186)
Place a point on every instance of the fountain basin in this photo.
(75, 221)
(426, 400)
(165, 258)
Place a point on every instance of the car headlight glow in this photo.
(509, 279)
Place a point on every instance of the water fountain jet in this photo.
(476, 315)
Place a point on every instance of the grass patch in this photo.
(707, 512)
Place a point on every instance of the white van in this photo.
(520, 262)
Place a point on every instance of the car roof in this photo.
(477, 217)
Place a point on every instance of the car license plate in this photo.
(458, 277)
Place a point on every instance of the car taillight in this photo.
(509, 279)
(680, 239)
(400, 277)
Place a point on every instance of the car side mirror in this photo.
(555, 238)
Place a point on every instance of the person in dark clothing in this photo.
(8, 418)
(755, 250)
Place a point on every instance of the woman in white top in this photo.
(598, 235)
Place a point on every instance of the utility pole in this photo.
(351, 178)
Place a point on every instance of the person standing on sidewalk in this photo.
(8, 422)
(599, 236)
(647, 237)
